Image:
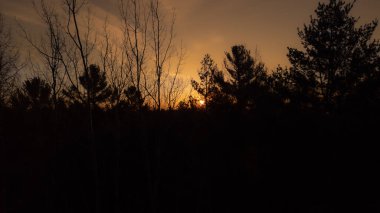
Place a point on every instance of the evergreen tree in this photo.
(34, 94)
(281, 86)
(94, 82)
(246, 77)
(207, 87)
(134, 99)
(338, 57)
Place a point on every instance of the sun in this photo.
(201, 102)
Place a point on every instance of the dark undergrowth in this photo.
(189, 162)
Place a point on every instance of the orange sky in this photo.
(212, 26)
(270, 26)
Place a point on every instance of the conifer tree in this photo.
(95, 85)
(246, 77)
(207, 86)
(338, 58)
(34, 94)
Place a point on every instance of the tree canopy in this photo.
(207, 87)
(337, 59)
(34, 94)
(245, 77)
(95, 85)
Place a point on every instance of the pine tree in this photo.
(338, 57)
(207, 86)
(134, 99)
(246, 77)
(96, 87)
(34, 94)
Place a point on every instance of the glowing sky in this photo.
(212, 26)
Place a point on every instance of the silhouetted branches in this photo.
(338, 56)
(50, 47)
(135, 22)
(9, 61)
(174, 87)
(207, 87)
(162, 33)
(115, 64)
(244, 144)
(35, 94)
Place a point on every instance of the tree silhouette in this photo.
(94, 82)
(246, 77)
(337, 58)
(162, 42)
(190, 104)
(34, 94)
(207, 86)
(9, 58)
(134, 100)
(135, 18)
(49, 47)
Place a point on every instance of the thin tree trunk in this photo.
(93, 149)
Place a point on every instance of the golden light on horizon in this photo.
(202, 102)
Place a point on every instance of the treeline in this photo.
(95, 138)
(337, 68)
(79, 64)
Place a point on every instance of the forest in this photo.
(104, 124)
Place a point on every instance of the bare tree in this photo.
(82, 41)
(174, 86)
(9, 60)
(162, 32)
(135, 17)
(71, 62)
(50, 47)
(115, 64)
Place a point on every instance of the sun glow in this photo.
(201, 102)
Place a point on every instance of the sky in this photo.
(266, 27)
